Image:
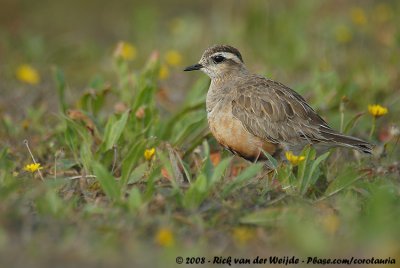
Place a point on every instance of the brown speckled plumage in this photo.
(248, 113)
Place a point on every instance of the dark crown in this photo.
(222, 48)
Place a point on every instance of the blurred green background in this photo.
(340, 55)
(286, 40)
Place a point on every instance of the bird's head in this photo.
(220, 61)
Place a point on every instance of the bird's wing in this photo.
(276, 113)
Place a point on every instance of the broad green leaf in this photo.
(219, 170)
(187, 131)
(265, 217)
(196, 193)
(138, 173)
(150, 183)
(86, 155)
(135, 199)
(93, 100)
(186, 169)
(317, 163)
(107, 181)
(245, 175)
(79, 140)
(344, 179)
(114, 130)
(313, 173)
(173, 159)
(179, 116)
(147, 89)
(197, 94)
(167, 165)
(304, 167)
(287, 179)
(131, 158)
(107, 131)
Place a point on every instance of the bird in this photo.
(249, 114)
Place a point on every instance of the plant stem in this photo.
(33, 158)
(373, 127)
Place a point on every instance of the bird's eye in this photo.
(218, 59)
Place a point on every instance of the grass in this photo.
(102, 201)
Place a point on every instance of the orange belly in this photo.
(230, 133)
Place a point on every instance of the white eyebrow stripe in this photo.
(227, 55)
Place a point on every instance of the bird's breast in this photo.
(231, 134)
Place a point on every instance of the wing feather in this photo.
(276, 113)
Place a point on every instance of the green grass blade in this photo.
(352, 122)
(271, 159)
(60, 86)
(304, 167)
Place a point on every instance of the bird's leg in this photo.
(258, 157)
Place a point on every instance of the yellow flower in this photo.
(27, 74)
(25, 124)
(358, 16)
(165, 237)
(164, 72)
(242, 235)
(173, 57)
(125, 50)
(294, 159)
(149, 153)
(377, 110)
(343, 34)
(32, 167)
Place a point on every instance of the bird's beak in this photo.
(197, 66)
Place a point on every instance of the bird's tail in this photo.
(347, 141)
